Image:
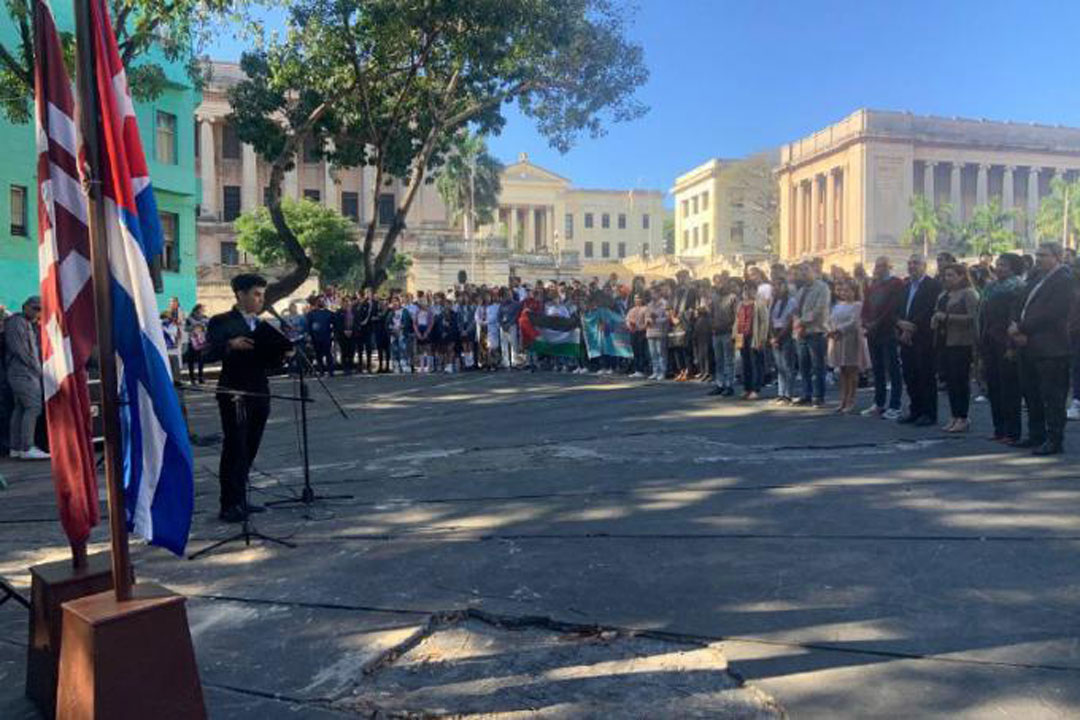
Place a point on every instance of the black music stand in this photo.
(248, 532)
(303, 367)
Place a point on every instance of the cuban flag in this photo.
(158, 471)
(67, 298)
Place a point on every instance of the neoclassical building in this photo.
(845, 191)
(235, 179)
(541, 212)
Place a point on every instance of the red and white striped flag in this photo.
(67, 300)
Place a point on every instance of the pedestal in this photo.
(52, 585)
(128, 661)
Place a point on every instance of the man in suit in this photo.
(1041, 330)
(231, 339)
(917, 304)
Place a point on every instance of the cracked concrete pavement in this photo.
(843, 567)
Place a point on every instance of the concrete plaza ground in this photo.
(843, 567)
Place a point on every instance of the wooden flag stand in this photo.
(52, 585)
(125, 653)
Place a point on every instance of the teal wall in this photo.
(176, 186)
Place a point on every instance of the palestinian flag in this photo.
(549, 335)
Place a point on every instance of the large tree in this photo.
(990, 229)
(174, 29)
(389, 83)
(927, 222)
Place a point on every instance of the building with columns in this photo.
(542, 213)
(845, 191)
(235, 180)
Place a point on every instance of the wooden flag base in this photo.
(52, 585)
(128, 660)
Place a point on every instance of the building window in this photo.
(645, 221)
(231, 205)
(229, 254)
(736, 199)
(737, 233)
(696, 237)
(622, 250)
(605, 221)
(588, 220)
(622, 221)
(569, 231)
(705, 234)
(685, 239)
(312, 195)
(312, 153)
(165, 138)
(644, 250)
(230, 143)
(685, 208)
(350, 206)
(694, 205)
(705, 201)
(387, 208)
(605, 249)
(170, 254)
(18, 210)
(588, 249)
(198, 143)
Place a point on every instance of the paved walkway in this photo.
(844, 567)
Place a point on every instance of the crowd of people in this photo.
(1009, 325)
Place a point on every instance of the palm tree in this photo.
(469, 182)
(990, 229)
(1051, 221)
(927, 222)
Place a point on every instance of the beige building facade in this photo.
(541, 212)
(845, 191)
(717, 217)
(235, 179)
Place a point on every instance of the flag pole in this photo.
(99, 255)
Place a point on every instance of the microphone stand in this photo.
(303, 366)
(248, 532)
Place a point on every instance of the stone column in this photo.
(549, 227)
(330, 193)
(250, 192)
(955, 198)
(511, 228)
(1008, 193)
(799, 225)
(981, 184)
(529, 244)
(928, 182)
(815, 213)
(830, 209)
(1032, 203)
(208, 168)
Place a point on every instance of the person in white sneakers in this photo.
(22, 348)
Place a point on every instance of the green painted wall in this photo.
(176, 186)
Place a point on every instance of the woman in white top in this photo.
(847, 345)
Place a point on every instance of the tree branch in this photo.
(18, 70)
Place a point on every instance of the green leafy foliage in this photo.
(470, 176)
(990, 229)
(927, 222)
(328, 237)
(390, 84)
(1050, 223)
(146, 30)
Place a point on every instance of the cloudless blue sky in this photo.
(733, 77)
